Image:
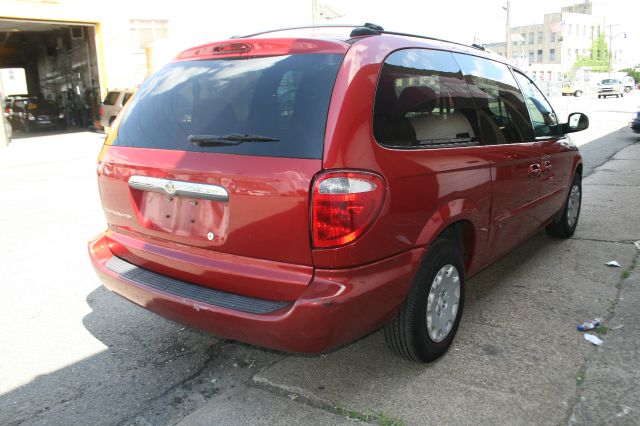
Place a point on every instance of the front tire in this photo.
(566, 225)
(578, 93)
(426, 324)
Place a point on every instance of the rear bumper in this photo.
(337, 306)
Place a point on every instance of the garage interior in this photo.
(60, 63)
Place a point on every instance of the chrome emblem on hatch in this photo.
(169, 188)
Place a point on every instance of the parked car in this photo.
(569, 89)
(610, 87)
(635, 123)
(37, 114)
(10, 100)
(8, 129)
(113, 104)
(322, 187)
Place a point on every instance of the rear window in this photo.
(111, 98)
(282, 97)
(42, 106)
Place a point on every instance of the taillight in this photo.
(343, 206)
(101, 111)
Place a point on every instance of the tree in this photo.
(598, 60)
(633, 73)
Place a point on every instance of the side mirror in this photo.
(577, 122)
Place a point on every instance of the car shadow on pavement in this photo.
(153, 371)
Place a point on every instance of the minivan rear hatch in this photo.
(216, 156)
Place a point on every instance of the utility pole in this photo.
(508, 30)
(610, 49)
(314, 13)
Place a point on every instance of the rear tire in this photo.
(578, 93)
(426, 324)
(566, 225)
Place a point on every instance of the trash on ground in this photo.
(589, 325)
(593, 339)
(637, 244)
(617, 327)
(613, 263)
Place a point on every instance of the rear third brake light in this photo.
(344, 205)
(225, 49)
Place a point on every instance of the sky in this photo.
(463, 21)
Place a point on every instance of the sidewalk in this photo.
(611, 389)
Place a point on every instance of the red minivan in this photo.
(300, 192)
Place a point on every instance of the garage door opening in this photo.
(60, 66)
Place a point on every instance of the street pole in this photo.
(610, 49)
(314, 12)
(508, 30)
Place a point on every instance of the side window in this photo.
(501, 108)
(543, 118)
(422, 101)
(126, 97)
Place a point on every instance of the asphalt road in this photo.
(73, 353)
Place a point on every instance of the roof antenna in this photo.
(367, 29)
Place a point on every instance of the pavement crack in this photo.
(214, 354)
(622, 185)
(35, 414)
(597, 240)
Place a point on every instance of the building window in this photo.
(570, 29)
(531, 38)
(552, 37)
(533, 75)
(531, 57)
(524, 38)
(144, 32)
(552, 56)
(569, 53)
(540, 55)
(584, 31)
(549, 75)
(540, 36)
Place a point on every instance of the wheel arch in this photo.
(461, 222)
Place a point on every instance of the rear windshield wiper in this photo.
(232, 139)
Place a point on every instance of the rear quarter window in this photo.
(422, 101)
(281, 97)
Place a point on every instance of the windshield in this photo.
(284, 98)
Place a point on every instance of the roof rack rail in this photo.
(363, 30)
(430, 38)
(304, 27)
